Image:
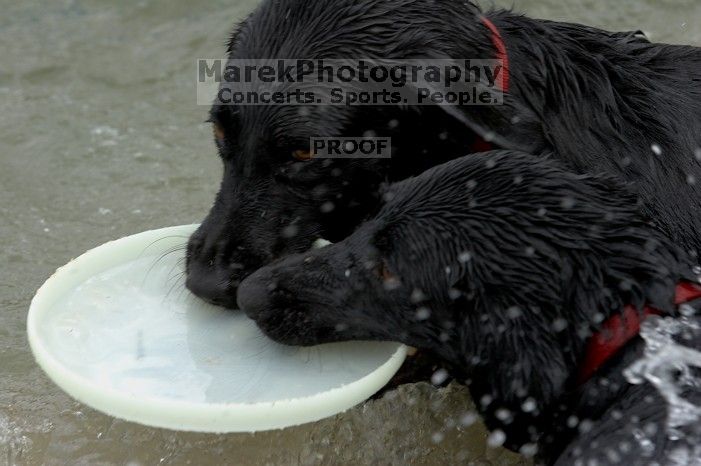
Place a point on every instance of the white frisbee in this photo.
(117, 330)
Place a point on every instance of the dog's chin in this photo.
(289, 327)
(289, 337)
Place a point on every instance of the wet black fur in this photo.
(597, 101)
(502, 265)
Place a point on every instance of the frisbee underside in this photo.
(118, 331)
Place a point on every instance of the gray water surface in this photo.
(100, 137)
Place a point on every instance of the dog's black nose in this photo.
(211, 285)
(208, 276)
(254, 293)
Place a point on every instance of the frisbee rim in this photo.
(179, 414)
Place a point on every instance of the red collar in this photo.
(502, 54)
(480, 145)
(620, 329)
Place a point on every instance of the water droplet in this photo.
(656, 149)
(496, 439)
(423, 313)
(327, 207)
(290, 231)
(585, 426)
(568, 202)
(514, 312)
(454, 294)
(417, 296)
(529, 450)
(645, 443)
(667, 365)
(559, 324)
(687, 310)
(486, 400)
(625, 285)
(465, 257)
(613, 456)
(468, 419)
(529, 405)
(440, 376)
(625, 447)
(503, 415)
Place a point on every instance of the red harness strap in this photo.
(502, 54)
(620, 329)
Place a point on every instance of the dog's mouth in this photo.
(278, 298)
(219, 285)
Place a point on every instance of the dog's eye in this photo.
(383, 272)
(219, 133)
(302, 155)
(389, 280)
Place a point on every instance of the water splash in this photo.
(673, 369)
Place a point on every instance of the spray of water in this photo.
(672, 368)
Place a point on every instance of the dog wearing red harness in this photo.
(530, 281)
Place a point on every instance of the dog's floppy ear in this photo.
(510, 125)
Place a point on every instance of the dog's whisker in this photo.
(177, 269)
(154, 243)
(162, 256)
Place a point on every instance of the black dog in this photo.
(600, 102)
(504, 266)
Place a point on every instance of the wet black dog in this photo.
(503, 265)
(600, 102)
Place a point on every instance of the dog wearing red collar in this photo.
(530, 281)
(597, 101)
